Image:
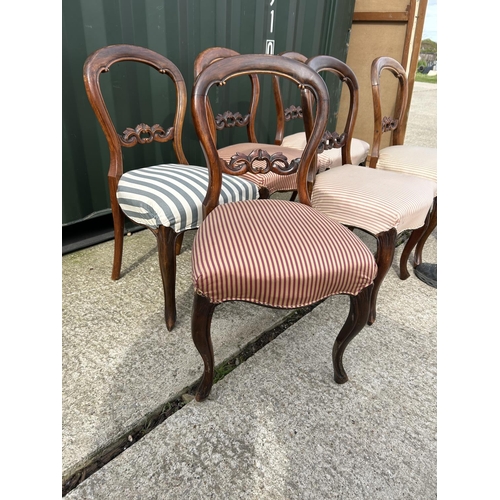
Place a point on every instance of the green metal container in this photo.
(180, 30)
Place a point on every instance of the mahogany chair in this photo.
(398, 157)
(268, 182)
(329, 156)
(272, 252)
(378, 202)
(165, 198)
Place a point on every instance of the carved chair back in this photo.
(383, 124)
(346, 75)
(100, 62)
(223, 70)
(292, 112)
(229, 118)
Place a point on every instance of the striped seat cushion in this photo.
(277, 253)
(332, 157)
(171, 195)
(273, 182)
(413, 160)
(373, 200)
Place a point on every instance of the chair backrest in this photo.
(219, 73)
(346, 75)
(229, 119)
(292, 112)
(383, 124)
(100, 62)
(331, 139)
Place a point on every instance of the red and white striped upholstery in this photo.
(277, 253)
(331, 157)
(414, 160)
(270, 180)
(373, 200)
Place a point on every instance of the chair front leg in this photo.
(386, 245)
(165, 238)
(417, 256)
(415, 237)
(356, 320)
(118, 228)
(201, 320)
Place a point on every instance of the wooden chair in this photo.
(268, 182)
(329, 157)
(398, 157)
(379, 202)
(165, 198)
(272, 252)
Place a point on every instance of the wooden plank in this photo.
(380, 17)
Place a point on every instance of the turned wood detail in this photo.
(293, 112)
(144, 134)
(389, 123)
(277, 163)
(229, 119)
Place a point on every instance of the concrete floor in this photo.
(277, 426)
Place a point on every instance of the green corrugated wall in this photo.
(179, 29)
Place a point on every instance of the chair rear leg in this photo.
(201, 320)
(166, 254)
(118, 228)
(178, 243)
(417, 256)
(386, 245)
(356, 320)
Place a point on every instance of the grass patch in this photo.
(420, 77)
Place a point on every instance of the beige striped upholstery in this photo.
(332, 157)
(415, 160)
(273, 182)
(373, 200)
(277, 253)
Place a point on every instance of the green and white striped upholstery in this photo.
(373, 200)
(270, 180)
(414, 160)
(331, 157)
(245, 251)
(171, 195)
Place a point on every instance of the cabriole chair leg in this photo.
(415, 236)
(386, 245)
(413, 240)
(417, 257)
(166, 237)
(356, 320)
(118, 228)
(201, 320)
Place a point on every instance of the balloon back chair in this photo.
(378, 202)
(419, 161)
(268, 182)
(329, 157)
(272, 252)
(165, 198)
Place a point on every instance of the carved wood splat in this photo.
(277, 163)
(144, 134)
(293, 112)
(389, 123)
(229, 119)
(331, 140)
